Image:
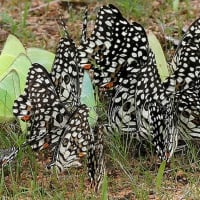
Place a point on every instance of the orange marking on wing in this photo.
(109, 85)
(26, 118)
(87, 66)
(81, 154)
(45, 145)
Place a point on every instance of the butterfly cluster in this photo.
(56, 119)
(119, 57)
(140, 103)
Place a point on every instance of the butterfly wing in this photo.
(40, 106)
(66, 74)
(96, 160)
(184, 82)
(155, 110)
(74, 141)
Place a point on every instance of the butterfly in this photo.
(66, 74)
(73, 143)
(184, 85)
(110, 45)
(47, 118)
(186, 61)
(95, 162)
(133, 96)
(155, 110)
(121, 112)
(41, 107)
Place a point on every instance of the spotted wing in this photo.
(96, 160)
(155, 110)
(66, 74)
(186, 61)
(184, 82)
(188, 103)
(74, 141)
(121, 112)
(7, 155)
(41, 107)
(113, 43)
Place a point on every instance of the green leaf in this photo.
(14, 65)
(87, 97)
(104, 195)
(5, 62)
(12, 83)
(41, 56)
(159, 56)
(21, 66)
(160, 174)
(9, 87)
(13, 47)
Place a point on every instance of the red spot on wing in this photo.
(26, 118)
(45, 145)
(87, 66)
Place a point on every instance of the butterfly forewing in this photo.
(186, 61)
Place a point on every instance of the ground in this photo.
(130, 175)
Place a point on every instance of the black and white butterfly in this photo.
(155, 110)
(184, 83)
(110, 46)
(66, 73)
(49, 122)
(51, 106)
(41, 107)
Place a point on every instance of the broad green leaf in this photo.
(41, 56)
(5, 62)
(13, 46)
(14, 65)
(87, 97)
(160, 174)
(21, 66)
(159, 56)
(9, 90)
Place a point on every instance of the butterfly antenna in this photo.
(84, 27)
(62, 23)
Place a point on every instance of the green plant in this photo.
(159, 56)
(160, 174)
(14, 66)
(87, 97)
(104, 191)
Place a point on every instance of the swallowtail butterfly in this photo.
(184, 83)
(46, 101)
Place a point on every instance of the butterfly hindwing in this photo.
(74, 141)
